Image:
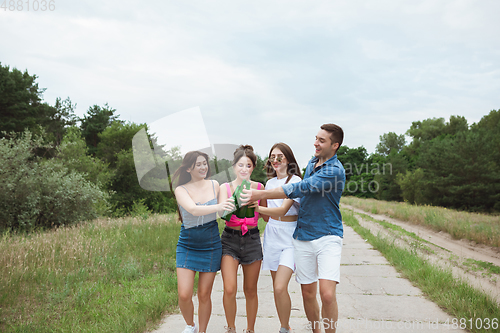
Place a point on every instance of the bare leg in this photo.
(281, 278)
(311, 306)
(185, 283)
(329, 307)
(229, 271)
(205, 284)
(250, 278)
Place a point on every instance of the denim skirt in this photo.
(199, 248)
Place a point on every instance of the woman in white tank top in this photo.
(281, 168)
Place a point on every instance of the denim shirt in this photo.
(320, 191)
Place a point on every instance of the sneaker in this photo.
(230, 329)
(284, 330)
(190, 329)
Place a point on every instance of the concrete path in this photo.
(372, 297)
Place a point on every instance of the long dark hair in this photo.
(181, 176)
(245, 150)
(292, 167)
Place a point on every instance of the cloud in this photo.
(280, 68)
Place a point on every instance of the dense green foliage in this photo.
(21, 107)
(95, 122)
(36, 192)
(59, 173)
(91, 167)
(446, 164)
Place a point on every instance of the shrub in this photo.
(42, 193)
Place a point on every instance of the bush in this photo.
(73, 154)
(42, 193)
(139, 209)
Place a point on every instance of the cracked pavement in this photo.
(372, 297)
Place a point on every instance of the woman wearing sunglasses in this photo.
(281, 168)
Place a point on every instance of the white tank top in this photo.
(274, 203)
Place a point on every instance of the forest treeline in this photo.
(58, 169)
(446, 163)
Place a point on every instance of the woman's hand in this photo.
(228, 205)
(255, 205)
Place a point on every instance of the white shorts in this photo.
(318, 259)
(278, 246)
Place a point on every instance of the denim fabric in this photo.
(320, 191)
(199, 248)
(245, 248)
(190, 221)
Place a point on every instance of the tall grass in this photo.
(454, 295)
(480, 228)
(109, 275)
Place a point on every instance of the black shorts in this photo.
(245, 248)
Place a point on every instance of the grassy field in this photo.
(480, 228)
(108, 275)
(456, 297)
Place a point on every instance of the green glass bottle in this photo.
(241, 211)
(250, 212)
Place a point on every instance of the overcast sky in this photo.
(266, 71)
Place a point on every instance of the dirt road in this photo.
(458, 255)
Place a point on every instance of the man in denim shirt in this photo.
(318, 235)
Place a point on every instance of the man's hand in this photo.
(247, 196)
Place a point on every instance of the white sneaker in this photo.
(190, 329)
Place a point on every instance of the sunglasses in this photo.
(278, 158)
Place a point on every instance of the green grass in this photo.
(480, 228)
(396, 228)
(402, 231)
(477, 265)
(109, 275)
(455, 296)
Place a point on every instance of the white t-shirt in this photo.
(274, 203)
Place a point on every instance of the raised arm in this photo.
(263, 203)
(326, 180)
(254, 195)
(277, 211)
(223, 197)
(184, 199)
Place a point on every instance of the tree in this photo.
(461, 172)
(20, 99)
(73, 154)
(127, 189)
(58, 118)
(489, 128)
(36, 192)
(21, 107)
(455, 125)
(392, 165)
(95, 122)
(259, 174)
(115, 138)
(427, 129)
(390, 142)
(413, 186)
(353, 160)
(360, 171)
